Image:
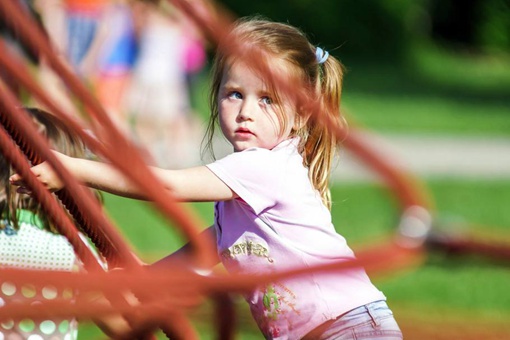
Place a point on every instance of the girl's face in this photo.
(248, 115)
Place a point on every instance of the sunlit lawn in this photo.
(435, 92)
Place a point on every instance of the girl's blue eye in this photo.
(235, 95)
(267, 100)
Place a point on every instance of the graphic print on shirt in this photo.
(246, 248)
(278, 302)
(274, 306)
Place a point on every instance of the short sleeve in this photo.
(253, 174)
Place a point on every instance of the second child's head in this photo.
(270, 84)
(61, 139)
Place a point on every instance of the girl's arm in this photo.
(196, 184)
(183, 253)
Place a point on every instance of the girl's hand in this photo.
(44, 173)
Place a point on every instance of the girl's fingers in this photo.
(24, 191)
(44, 173)
(15, 179)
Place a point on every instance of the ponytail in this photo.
(325, 127)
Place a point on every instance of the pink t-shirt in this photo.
(278, 223)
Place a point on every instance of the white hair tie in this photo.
(320, 55)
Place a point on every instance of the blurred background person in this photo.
(83, 19)
(71, 26)
(96, 39)
(158, 100)
(111, 58)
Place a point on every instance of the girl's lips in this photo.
(243, 132)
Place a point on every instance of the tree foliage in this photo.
(384, 29)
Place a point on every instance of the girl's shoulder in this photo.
(261, 160)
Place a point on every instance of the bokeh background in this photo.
(429, 81)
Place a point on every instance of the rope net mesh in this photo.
(146, 297)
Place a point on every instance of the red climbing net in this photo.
(164, 297)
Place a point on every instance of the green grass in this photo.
(427, 114)
(436, 91)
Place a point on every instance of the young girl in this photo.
(28, 240)
(272, 198)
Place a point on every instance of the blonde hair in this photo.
(263, 42)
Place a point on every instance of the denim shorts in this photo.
(372, 321)
(81, 32)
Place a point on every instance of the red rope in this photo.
(176, 290)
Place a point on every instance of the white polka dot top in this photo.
(32, 247)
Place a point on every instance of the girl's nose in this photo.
(245, 112)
